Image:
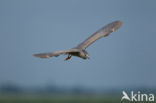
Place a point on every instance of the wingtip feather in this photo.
(41, 55)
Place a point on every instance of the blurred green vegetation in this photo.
(53, 94)
(53, 98)
(27, 98)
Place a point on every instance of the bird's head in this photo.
(85, 55)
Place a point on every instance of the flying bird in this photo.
(80, 50)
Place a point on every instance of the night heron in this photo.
(79, 50)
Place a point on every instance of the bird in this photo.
(80, 49)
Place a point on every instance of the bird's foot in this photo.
(68, 57)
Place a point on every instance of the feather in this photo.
(105, 31)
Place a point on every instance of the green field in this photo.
(59, 99)
(49, 98)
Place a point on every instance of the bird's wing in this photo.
(105, 31)
(57, 53)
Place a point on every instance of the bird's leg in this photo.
(68, 57)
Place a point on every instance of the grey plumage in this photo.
(79, 50)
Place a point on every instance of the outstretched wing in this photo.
(57, 53)
(105, 31)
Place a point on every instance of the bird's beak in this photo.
(88, 56)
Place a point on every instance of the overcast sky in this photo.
(125, 58)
